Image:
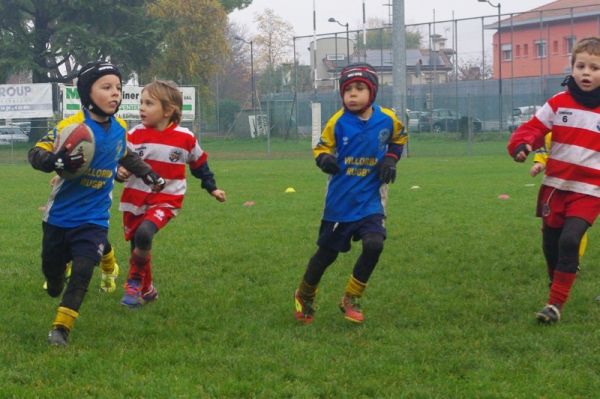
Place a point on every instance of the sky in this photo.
(300, 12)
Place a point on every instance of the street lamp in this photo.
(499, 7)
(251, 77)
(347, 37)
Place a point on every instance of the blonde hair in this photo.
(590, 45)
(169, 96)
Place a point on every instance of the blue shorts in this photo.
(60, 245)
(337, 236)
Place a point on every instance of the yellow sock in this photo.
(107, 264)
(306, 290)
(65, 318)
(583, 244)
(354, 287)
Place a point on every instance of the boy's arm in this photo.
(42, 156)
(325, 150)
(201, 170)
(530, 135)
(136, 165)
(387, 168)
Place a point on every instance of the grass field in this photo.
(449, 309)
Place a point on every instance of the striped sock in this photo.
(65, 318)
(107, 263)
(354, 287)
(561, 286)
(307, 291)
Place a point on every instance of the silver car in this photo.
(12, 135)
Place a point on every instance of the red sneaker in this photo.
(304, 308)
(150, 294)
(351, 309)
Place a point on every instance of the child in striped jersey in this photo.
(167, 147)
(539, 165)
(569, 198)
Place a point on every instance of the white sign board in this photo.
(130, 106)
(316, 123)
(259, 125)
(23, 101)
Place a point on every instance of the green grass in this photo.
(449, 309)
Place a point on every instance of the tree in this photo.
(230, 5)
(274, 44)
(379, 37)
(471, 70)
(274, 39)
(51, 38)
(193, 48)
(237, 81)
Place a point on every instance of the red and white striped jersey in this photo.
(574, 160)
(167, 152)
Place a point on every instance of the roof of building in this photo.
(558, 10)
(381, 60)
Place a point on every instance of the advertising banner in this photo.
(130, 107)
(24, 101)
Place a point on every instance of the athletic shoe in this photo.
(58, 336)
(351, 309)
(548, 315)
(304, 308)
(108, 280)
(133, 294)
(150, 294)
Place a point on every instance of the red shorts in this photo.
(158, 215)
(555, 205)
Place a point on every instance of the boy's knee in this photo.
(373, 243)
(144, 235)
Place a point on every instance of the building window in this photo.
(540, 48)
(518, 50)
(507, 52)
(525, 50)
(569, 44)
(555, 47)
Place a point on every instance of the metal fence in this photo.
(455, 66)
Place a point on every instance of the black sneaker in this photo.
(549, 314)
(58, 336)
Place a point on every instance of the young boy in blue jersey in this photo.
(359, 148)
(75, 223)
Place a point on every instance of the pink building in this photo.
(539, 42)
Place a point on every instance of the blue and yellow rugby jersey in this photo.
(359, 146)
(87, 198)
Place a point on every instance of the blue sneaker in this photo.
(133, 294)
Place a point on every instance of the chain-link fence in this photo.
(466, 78)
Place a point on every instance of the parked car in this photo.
(521, 115)
(12, 135)
(413, 118)
(448, 120)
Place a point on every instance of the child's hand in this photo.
(219, 195)
(155, 182)
(328, 164)
(521, 152)
(122, 174)
(54, 180)
(536, 169)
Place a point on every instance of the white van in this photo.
(521, 115)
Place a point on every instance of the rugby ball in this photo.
(76, 139)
